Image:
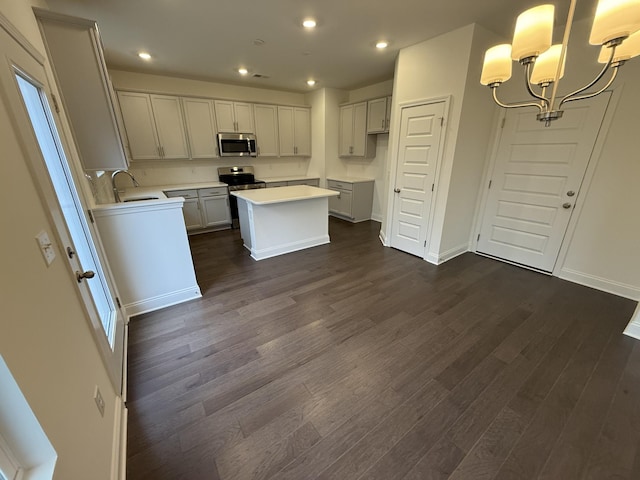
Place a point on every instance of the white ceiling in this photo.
(210, 39)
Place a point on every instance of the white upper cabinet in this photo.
(75, 49)
(234, 117)
(302, 131)
(354, 141)
(170, 126)
(295, 131)
(154, 126)
(379, 111)
(137, 116)
(200, 119)
(266, 118)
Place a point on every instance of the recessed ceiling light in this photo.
(144, 55)
(311, 83)
(382, 45)
(243, 71)
(309, 23)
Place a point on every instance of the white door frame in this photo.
(557, 271)
(394, 132)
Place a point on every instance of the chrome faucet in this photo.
(116, 195)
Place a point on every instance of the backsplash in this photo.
(149, 173)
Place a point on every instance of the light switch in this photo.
(48, 252)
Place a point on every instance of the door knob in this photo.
(397, 190)
(83, 275)
(570, 193)
(566, 205)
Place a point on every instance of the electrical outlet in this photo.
(46, 247)
(99, 401)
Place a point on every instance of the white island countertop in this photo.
(294, 193)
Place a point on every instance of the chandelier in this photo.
(616, 27)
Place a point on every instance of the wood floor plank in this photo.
(530, 453)
(351, 360)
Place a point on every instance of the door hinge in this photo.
(504, 119)
(478, 239)
(90, 216)
(425, 243)
(433, 185)
(118, 302)
(55, 103)
(490, 181)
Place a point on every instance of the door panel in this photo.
(24, 87)
(420, 131)
(536, 180)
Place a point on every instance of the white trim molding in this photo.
(440, 258)
(633, 329)
(162, 301)
(621, 289)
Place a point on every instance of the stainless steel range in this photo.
(238, 178)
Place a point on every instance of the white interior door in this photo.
(536, 181)
(419, 144)
(23, 83)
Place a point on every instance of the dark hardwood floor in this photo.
(354, 361)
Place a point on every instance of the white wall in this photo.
(46, 339)
(474, 140)
(435, 68)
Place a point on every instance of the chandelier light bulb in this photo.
(497, 65)
(533, 32)
(546, 66)
(614, 19)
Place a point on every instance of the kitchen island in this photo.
(275, 221)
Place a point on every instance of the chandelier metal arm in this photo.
(527, 81)
(573, 95)
(591, 95)
(494, 87)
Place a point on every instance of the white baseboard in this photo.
(376, 217)
(432, 258)
(162, 301)
(599, 283)
(383, 238)
(288, 248)
(453, 252)
(119, 449)
(438, 259)
(633, 330)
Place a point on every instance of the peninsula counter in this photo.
(275, 221)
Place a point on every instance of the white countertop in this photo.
(155, 191)
(346, 179)
(264, 196)
(292, 178)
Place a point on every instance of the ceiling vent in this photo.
(259, 75)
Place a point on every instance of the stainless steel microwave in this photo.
(237, 145)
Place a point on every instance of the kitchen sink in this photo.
(140, 199)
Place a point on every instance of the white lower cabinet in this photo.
(355, 200)
(191, 212)
(214, 207)
(204, 208)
